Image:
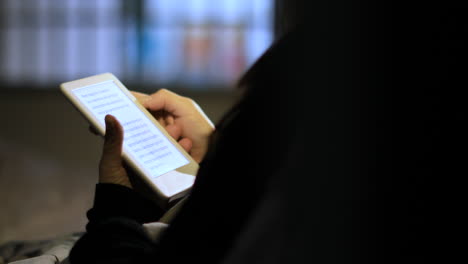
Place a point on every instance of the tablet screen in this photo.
(143, 142)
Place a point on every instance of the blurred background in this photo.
(192, 44)
(48, 158)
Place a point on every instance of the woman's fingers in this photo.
(172, 109)
(169, 119)
(141, 97)
(162, 121)
(174, 130)
(168, 101)
(186, 144)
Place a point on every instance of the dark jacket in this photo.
(329, 157)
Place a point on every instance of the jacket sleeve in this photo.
(115, 233)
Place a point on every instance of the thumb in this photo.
(111, 168)
(112, 150)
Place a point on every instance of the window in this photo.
(199, 44)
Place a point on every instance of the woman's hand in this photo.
(111, 167)
(182, 118)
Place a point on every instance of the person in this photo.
(329, 156)
(236, 162)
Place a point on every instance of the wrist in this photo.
(114, 200)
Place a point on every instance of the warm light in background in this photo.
(191, 43)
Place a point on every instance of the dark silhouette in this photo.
(332, 154)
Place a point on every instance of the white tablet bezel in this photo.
(168, 186)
